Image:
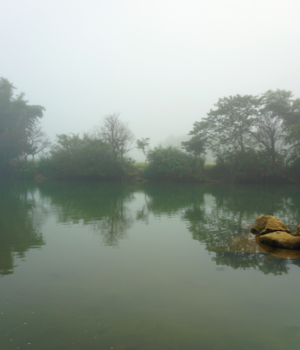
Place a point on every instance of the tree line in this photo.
(21, 135)
(252, 138)
(99, 154)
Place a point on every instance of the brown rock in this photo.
(280, 239)
(298, 231)
(267, 223)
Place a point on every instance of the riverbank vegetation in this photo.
(252, 139)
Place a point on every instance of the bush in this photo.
(73, 157)
(249, 166)
(169, 163)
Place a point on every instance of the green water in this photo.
(89, 266)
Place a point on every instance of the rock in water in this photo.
(267, 223)
(280, 239)
(298, 231)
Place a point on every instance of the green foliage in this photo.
(250, 166)
(277, 102)
(292, 138)
(17, 118)
(225, 130)
(253, 138)
(195, 146)
(75, 157)
(169, 163)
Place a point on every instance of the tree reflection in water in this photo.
(101, 206)
(220, 216)
(20, 219)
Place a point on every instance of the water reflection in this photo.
(103, 207)
(221, 216)
(20, 221)
(218, 216)
(171, 199)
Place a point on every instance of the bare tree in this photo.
(117, 134)
(37, 141)
(270, 134)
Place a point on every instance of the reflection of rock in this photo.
(246, 228)
(281, 240)
(241, 244)
(251, 244)
(267, 223)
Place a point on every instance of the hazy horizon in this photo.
(162, 64)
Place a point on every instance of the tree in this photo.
(269, 133)
(195, 146)
(278, 125)
(36, 142)
(292, 128)
(144, 145)
(117, 134)
(17, 117)
(225, 130)
(247, 134)
(278, 103)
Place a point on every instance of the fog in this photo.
(160, 64)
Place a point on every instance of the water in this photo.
(145, 267)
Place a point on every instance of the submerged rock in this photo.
(281, 239)
(267, 223)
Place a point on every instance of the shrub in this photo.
(73, 157)
(169, 163)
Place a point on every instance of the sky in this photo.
(161, 64)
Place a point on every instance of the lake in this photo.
(88, 266)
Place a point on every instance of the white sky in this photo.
(161, 64)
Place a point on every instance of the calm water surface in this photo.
(89, 266)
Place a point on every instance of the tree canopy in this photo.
(263, 130)
(17, 119)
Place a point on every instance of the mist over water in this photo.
(151, 266)
(154, 266)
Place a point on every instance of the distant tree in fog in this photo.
(117, 134)
(195, 146)
(269, 134)
(252, 134)
(36, 142)
(17, 120)
(226, 129)
(144, 145)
